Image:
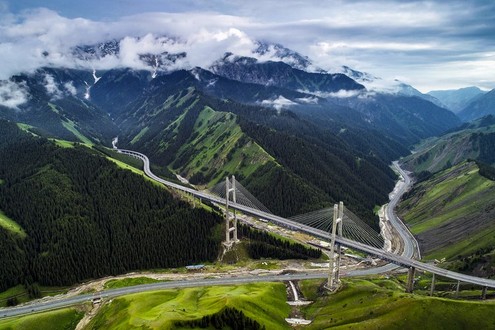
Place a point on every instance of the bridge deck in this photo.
(384, 255)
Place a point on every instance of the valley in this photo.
(223, 277)
(247, 166)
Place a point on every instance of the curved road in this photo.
(411, 247)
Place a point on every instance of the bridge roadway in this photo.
(40, 305)
(400, 260)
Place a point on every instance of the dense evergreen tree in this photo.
(342, 176)
(263, 245)
(486, 170)
(85, 218)
(227, 318)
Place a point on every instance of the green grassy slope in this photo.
(194, 140)
(264, 302)
(381, 304)
(373, 303)
(452, 215)
(475, 141)
(218, 147)
(62, 319)
(11, 225)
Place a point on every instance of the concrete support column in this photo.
(432, 289)
(410, 280)
(227, 212)
(234, 199)
(331, 262)
(339, 246)
(230, 224)
(457, 289)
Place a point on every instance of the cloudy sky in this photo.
(428, 44)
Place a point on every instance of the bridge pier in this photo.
(432, 288)
(410, 280)
(230, 222)
(339, 246)
(457, 289)
(334, 262)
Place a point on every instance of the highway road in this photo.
(40, 306)
(411, 247)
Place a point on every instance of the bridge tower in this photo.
(334, 262)
(230, 221)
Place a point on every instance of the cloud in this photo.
(69, 87)
(55, 90)
(432, 44)
(52, 87)
(342, 94)
(308, 100)
(12, 94)
(41, 37)
(278, 103)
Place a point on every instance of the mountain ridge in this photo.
(458, 99)
(480, 106)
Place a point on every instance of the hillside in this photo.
(57, 107)
(380, 303)
(79, 216)
(406, 119)
(194, 140)
(452, 216)
(373, 303)
(204, 139)
(474, 140)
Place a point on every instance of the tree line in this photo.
(227, 318)
(264, 245)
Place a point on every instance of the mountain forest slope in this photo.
(204, 125)
(205, 139)
(57, 107)
(452, 216)
(82, 217)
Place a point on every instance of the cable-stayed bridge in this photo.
(303, 223)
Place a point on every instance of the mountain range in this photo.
(456, 100)
(480, 106)
(273, 119)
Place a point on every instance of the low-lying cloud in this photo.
(52, 87)
(12, 94)
(279, 103)
(42, 38)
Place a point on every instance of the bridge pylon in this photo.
(230, 221)
(334, 262)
